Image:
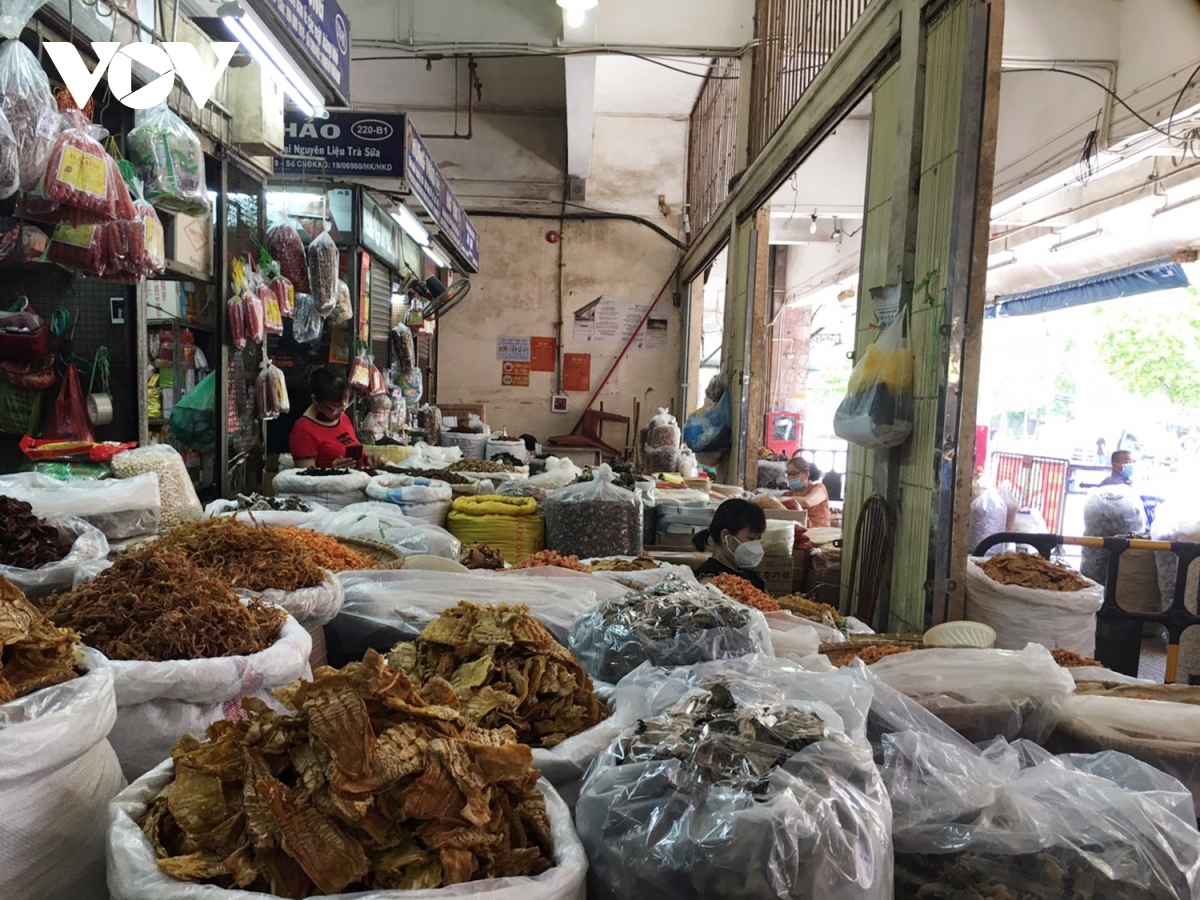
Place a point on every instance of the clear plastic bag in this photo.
(254, 316)
(744, 779)
(310, 606)
(307, 321)
(877, 410)
(595, 518)
(83, 179)
(271, 388)
(10, 169)
(710, 428)
(663, 431)
(169, 161)
(88, 544)
(383, 522)
(559, 473)
(236, 318)
(403, 347)
(323, 272)
(120, 508)
(342, 311)
(673, 623)
(989, 515)
(1110, 511)
(287, 249)
(176, 491)
(26, 99)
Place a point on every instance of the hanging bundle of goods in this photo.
(287, 249)
(169, 162)
(595, 518)
(877, 410)
(30, 110)
(272, 393)
(323, 271)
(511, 525)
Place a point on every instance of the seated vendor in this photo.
(735, 539)
(806, 489)
(323, 436)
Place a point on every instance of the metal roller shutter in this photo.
(381, 312)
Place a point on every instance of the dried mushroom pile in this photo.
(481, 556)
(1030, 571)
(367, 785)
(502, 668)
(34, 653)
(247, 556)
(154, 605)
(27, 542)
(480, 466)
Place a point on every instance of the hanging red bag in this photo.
(69, 419)
(255, 316)
(273, 315)
(236, 321)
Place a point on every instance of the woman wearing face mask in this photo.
(323, 436)
(808, 492)
(735, 538)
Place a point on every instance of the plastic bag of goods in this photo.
(750, 779)
(1110, 511)
(515, 842)
(333, 489)
(287, 249)
(709, 429)
(323, 272)
(121, 508)
(983, 694)
(660, 459)
(558, 473)
(877, 410)
(80, 248)
(42, 556)
(169, 161)
(83, 179)
(177, 494)
(342, 310)
(57, 770)
(255, 509)
(1015, 821)
(423, 456)
(386, 524)
(663, 431)
(417, 498)
(521, 488)
(473, 445)
(28, 104)
(671, 624)
(271, 388)
(989, 515)
(10, 165)
(194, 417)
(595, 518)
(1028, 599)
(503, 445)
(512, 525)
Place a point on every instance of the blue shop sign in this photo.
(349, 144)
(322, 30)
(426, 183)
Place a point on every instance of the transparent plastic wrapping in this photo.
(1113, 510)
(1014, 821)
(668, 625)
(120, 508)
(25, 98)
(748, 779)
(559, 473)
(83, 179)
(170, 161)
(254, 316)
(88, 544)
(10, 167)
(176, 492)
(663, 431)
(310, 606)
(383, 522)
(595, 518)
(323, 272)
(271, 388)
(989, 515)
(877, 411)
(342, 310)
(287, 249)
(306, 320)
(236, 318)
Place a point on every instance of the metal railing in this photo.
(712, 141)
(795, 38)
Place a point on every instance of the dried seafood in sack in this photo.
(1071, 660)
(1030, 571)
(481, 556)
(637, 564)
(594, 519)
(366, 785)
(154, 604)
(503, 669)
(323, 272)
(27, 542)
(870, 654)
(801, 606)
(445, 475)
(169, 162)
(257, 503)
(552, 558)
(744, 592)
(287, 249)
(34, 652)
(28, 104)
(246, 557)
(327, 552)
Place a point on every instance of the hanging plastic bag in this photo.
(236, 319)
(709, 429)
(323, 271)
(343, 312)
(285, 295)
(69, 419)
(307, 321)
(877, 410)
(254, 316)
(595, 518)
(24, 335)
(271, 389)
(403, 347)
(83, 177)
(194, 418)
(25, 98)
(169, 161)
(287, 249)
(10, 168)
(80, 248)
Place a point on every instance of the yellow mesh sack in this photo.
(514, 535)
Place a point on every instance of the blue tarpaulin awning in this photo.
(1160, 275)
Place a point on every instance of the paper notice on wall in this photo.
(653, 335)
(543, 354)
(514, 349)
(607, 320)
(577, 371)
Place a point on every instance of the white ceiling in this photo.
(629, 86)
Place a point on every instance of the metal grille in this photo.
(712, 141)
(796, 38)
(381, 312)
(1038, 483)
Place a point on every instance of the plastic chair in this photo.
(872, 557)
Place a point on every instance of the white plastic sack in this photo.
(983, 694)
(160, 702)
(272, 517)
(1114, 510)
(133, 872)
(558, 474)
(424, 456)
(310, 606)
(418, 498)
(514, 449)
(89, 545)
(1054, 619)
(603, 588)
(385, 523)
(330, 491)
(57, 776)
(792, 637)
(177, 494)
(121, 508)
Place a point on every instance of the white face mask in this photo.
(746, 555)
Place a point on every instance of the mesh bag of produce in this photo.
(169, 161)
(744, 779)
(673, 623)
(1015, 821)
(323, 271)
(194, 417)
(57, 776)
(176, 491)
(28, 104)
(877, 410)
(511, 525)
(85, 544)
(287, 249)
(121, 508)
(595, 518)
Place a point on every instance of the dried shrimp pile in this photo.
(34, 653)
(870, 654)
(247, 556)
(1068, 659)
(327, 552)
(551, 558)
(153, 604)
(366, 786)
(744, 592)
(1030, 571)
(27, 542)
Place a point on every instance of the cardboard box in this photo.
(776, 571)
(190, 241)
(461, 411)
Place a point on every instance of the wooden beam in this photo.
(757, 318)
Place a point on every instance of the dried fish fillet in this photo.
(34, 653)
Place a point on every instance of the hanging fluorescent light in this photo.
(435, 257)
(271, 57)
(411, 225)
(576, 11)
(1002, 259)
(1078, 238)
(812, 229)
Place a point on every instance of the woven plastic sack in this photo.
(511, 525)
(133, 872)
(383, 522)
(418, 498)
(877, 410)
(57, 776)
(176, 491)
(120, 508)
(595, 518)
(271, 517)
(331, 491)
(26, 100)
(169, 161)
(810, 822)
(1054, 619)
(309, 606)
(160, 702)
(88, 545)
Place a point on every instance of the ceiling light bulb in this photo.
(581, 5)
(575, 18)
(812, 229)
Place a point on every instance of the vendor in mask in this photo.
(323, 436)
(735, 540)
(804, 486)
(1122, 469)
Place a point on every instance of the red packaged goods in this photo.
(148, 245)
(79, 247)
(323, 272)
(285, 246)
(285, 294)
(272, 316)
(79, 174)
(237, 321)
(255, 317)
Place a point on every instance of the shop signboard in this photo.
(322, 30)
(380, 233)
(349, 144)
(427, 184)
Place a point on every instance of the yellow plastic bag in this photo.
(877, 409)
(496, 505)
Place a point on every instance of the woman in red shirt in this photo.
(323, 436)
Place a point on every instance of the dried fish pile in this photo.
(34, 653)
(481, 556)
(246, 556)
(259, 503)
(637, 564)
(1030, 571)
(366, 786)
(153, 604)
(27, 542)
(552, 558)
(503, 668)
(744, 592)
(801, 606)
